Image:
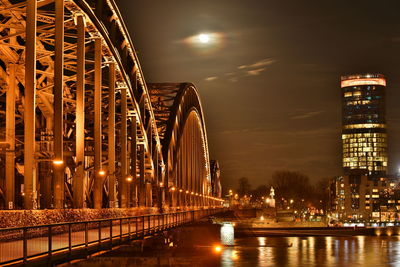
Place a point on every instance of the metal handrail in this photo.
(137, 227)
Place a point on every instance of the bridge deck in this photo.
(66, 241)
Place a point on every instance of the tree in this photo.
(244, 186)
(261, 191)
(292, 185)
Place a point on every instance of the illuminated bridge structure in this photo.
(79, 126)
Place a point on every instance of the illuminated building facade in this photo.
(358, 199)
(364, 133)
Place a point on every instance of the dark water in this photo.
(313, 251)
(264, 251)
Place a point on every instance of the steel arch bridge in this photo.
(79, 125)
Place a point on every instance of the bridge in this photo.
(81, 129)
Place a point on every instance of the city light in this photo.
(129, 178)
(217, 248)
(58, 162)
(161, 184)
(173, 188)
(102, 173)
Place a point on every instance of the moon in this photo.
(204, 38)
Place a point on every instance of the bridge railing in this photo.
(76, 239)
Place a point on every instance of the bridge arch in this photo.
(181, 124)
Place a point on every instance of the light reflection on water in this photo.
(313, 251)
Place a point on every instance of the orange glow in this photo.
(217, 248)
(180, 190)
(102, 172)
(364, 81)
(161, 184)
(173, 188)
(129, 178)
(187, 191)
(58, 162)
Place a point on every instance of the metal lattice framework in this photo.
(81, 127)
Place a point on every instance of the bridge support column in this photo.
(79, 179)
(10, 138)
(30, 193)
(111, 138)
(124, 151)
(142, 190)
(133, 195)
(149, 195)
(98, 172)
(58, 121)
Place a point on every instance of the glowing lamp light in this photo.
(192, 193)
(161, 184)
(129, 179)
(102, 173)
(173, 188)
(187, 191)
(58, 162)
(217, 248)
(180, 190)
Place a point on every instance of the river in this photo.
(313, 251)
(374, 251)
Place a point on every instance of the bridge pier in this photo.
(10, 138)
(112, 192)
(78, 183)
(98, 151)
(58, 117)
(142, 186)
(124, 151)
(133, 156)
(30, 193)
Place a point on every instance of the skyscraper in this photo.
(364, 133)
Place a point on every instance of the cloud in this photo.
(255, 72)
(210, 79)
(253, 69)
(306, 115)
(259, 64)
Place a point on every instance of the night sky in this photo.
(270, 83)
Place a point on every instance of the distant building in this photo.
(356, 198)
(364, 135)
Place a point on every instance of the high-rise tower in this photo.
(364, 133)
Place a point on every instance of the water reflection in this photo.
(313, 251)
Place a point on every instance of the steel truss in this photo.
(81, 127)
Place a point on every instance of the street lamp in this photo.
(58, 162)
